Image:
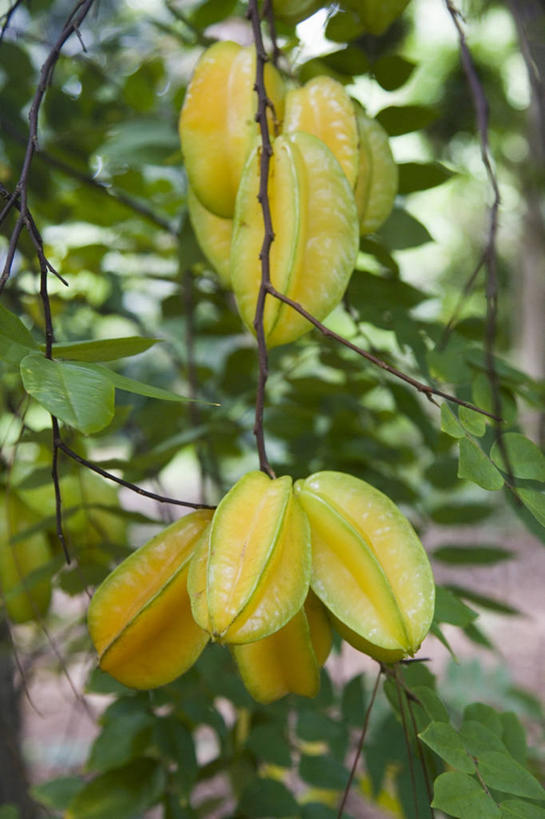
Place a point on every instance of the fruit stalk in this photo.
(263, 102)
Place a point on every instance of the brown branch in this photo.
(127, 484)
(359, 748)
(425, 389)
(7, 17)
(480, 106)
(268, 15)
(263, 103)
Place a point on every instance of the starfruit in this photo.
(376, 15)
(368, 565)
(25, 598)
(288, 661)
(251, 571)
(377, 181)
(217, 123)
(323, 108)
(140, 617)
(316, 235)
(213, 235)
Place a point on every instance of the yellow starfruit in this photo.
(377, 181)
(322, 108)
(25, 598)
(140, 617)
(217, 123)
(368, 565)
(315, 223)
(251, 571)
(213, 235)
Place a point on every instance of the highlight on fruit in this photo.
(270, 573)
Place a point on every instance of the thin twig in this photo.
(425, 389)
(466, 290)
(133, 487)
(7, 17)
(407, 742)
(359, 747)
(263, 104)
(480, 106)
(268, 15)
(420, 750)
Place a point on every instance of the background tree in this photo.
(94, 191)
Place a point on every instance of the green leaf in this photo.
(431, 703)
(120, 741)
(212, 11)
(176, 742)
(503, 773)
(461, 796)
(9, 812)
(473, 422)
(323, 772)
(120, 793)
(483, 600)
(353, 700)
(518, 809)
(267, 797)
(488, 716)
(344, 26)
(57, 794)
(107, 349)
(450, 424)
(402, 119)
(393, 71)
(475, 466)
(269, 744)
(475, 555)
(316, 810)
(445, 741)
(525, 458)
(478, 738)
(513, 736)
(420, 176)
(121, 382)
(15, 340)
(449, 609)
(77, 396)
(534, 501)
(402, 231)
(351, 61)
(461, 513)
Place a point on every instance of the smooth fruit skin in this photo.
(251, 573)
(369, 567)
(213, 235)
(217, 123)
(140, 617)
(314, 219)
(377, 15)
(377, 181)
(283, 663)
(323, 108)
(25, 600)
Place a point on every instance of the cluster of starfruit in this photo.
(270, 573)
(332, 178)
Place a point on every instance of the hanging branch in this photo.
(425, 389)
(359, 748)
(6, 18)
(268, 15)
(60, 444)
(480, 106)
(263, 103)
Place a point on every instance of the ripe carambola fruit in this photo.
(140, 617)
(251, 571)
(288, 661)
(377, 181)
(315, 223)
(213, 235)
(217, 123)
(368, 565)
(376, 15)
(25, 599)
(323, 108)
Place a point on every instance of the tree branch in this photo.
(425, 389)
(263, 103)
